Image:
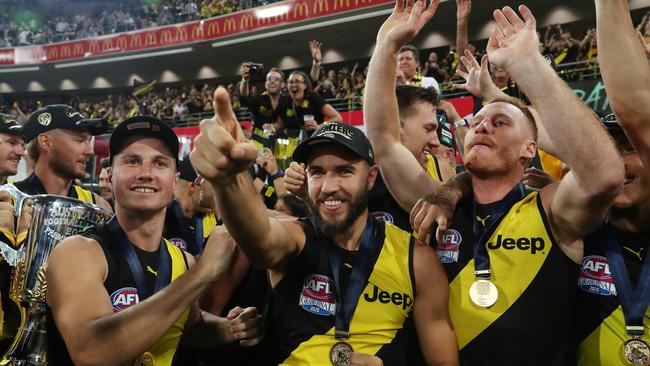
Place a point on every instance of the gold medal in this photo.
(636, 352)
(145, 360)
(483, 293)
(340, 354)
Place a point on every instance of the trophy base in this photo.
(28, 348)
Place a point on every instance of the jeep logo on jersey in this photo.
(179, 243)
(396, 298)
(595, 276)
(384, 216)
(448, 249)
(318, 295)
(124, 298)
(533, 245)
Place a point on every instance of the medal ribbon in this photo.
(634, 302)
(125, 248)
(481, 256)
(198, 233)
(364, 261)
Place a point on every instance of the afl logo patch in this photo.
(45, 119)
(448, 249)
(318, 295)
(384, 216)
(179, 243)
(124, 298)
(595, 276)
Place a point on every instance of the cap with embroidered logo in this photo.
(144, 126)
(61, 116)
(9, 125)
(349, 137)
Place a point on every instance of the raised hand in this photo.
(433, 210)
(405, 22)
(515, 39)
(478, 81)
(463, 8)
(295, 180)
(220, 150)
(315, 48)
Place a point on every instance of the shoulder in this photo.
(79, 254)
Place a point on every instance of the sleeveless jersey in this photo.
(383, 206)
(535, 280)
(123, 293)
(598, 329)
(32, 185)
(304, 302)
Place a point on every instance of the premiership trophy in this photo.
(53, 219)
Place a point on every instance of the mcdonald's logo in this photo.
(197, 32)
(150, 39)
(78, 49)
(262, 21)
(181, 34)
(107, 44)
(94, 47)
(136, 41)
(300, 9)
(213, 28)
(166, 37)
(245, 21)
(319, 4)
(339, 4)
(121, 42)
(284, 16)
(230, 25)
(52, 53)
(65, 51)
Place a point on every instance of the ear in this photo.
(372, 176)
(109, 170)
(45, 142)
(177, 177)
(528, 151)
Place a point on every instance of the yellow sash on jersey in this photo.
(374, 323)
(209, 222)
(84, 194)
(433, 169)
(512, 270)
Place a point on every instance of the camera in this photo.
(255, 69)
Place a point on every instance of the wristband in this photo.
(278, 174)
(461, 123)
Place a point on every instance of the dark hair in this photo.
(33, 150)
(304, 76)
(409, 95)
(408, 47)
(297, 206)
(523, 108)
(106, 163)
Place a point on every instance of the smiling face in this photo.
(500, 139)
(274, 83)
(636, 188)
(419, 132)
(338, 182)
(297, 84)
(143, 175)
(11, 150)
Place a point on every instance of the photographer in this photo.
(263, 107)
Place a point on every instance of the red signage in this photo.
(198, 31)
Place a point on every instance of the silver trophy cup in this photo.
(53, 219)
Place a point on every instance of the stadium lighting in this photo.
(125, 58)
(19, 69)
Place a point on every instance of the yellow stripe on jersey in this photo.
(604, 345)
(382, 309)
(433, 169)
(209, 222)
(164, 349)
(512, 270)
(84, 194)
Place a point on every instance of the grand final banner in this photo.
(184, 33)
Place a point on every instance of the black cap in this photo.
(445, 136)
(616, 131)
(61, 116)
(144, 126)
(186, 170)
(338, 133)
(9, 125)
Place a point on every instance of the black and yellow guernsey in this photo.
(304, 302)
(122, 289)
(528, 323)
(598, 330)
(33, 185)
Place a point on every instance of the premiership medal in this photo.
(145, 360)
(636, 352)
(340, 354)
(483, 293)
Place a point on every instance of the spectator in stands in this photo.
(409, 64)
(433, 69)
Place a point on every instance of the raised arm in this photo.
(245, 75)
(627, 87)
(316, 59)
(401, 171)
(582, 198)
(463, 9)
(222, 156)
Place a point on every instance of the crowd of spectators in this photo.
(19, 27)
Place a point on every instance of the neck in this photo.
(53, 183)
(350, 238)
(3, 179)
(298, 97)
(632, 219)
(144, 230)
(493, 189)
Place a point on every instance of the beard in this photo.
(64, 167)
(358, 205)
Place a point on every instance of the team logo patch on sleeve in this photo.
(318, 296)
(448, 249)
(124, 298)
(595, 276)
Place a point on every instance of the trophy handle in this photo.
(10, 254)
